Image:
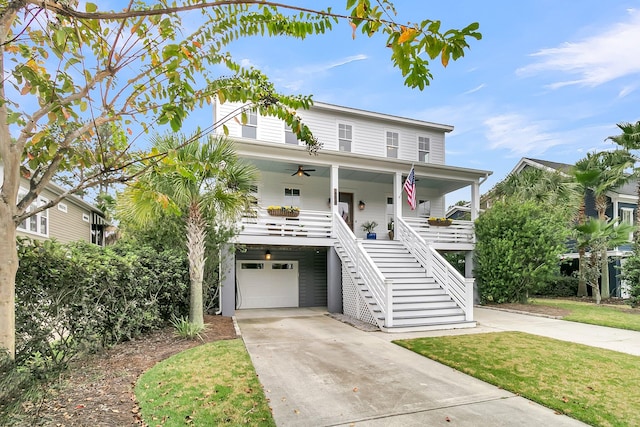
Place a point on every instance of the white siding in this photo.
(369, 134)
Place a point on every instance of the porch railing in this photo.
(459, 288)
(458, 232)
(365, 269)
(307, 224)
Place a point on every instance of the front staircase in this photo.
(417, 299)
(402, 285)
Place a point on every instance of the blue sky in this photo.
(549, 79)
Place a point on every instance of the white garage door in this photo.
(267, 284)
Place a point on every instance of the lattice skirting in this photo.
(354, 304)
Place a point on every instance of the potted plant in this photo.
(390, 228)
(288, 211)
(369, 226)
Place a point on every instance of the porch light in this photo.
(267, 255)
(361, 205)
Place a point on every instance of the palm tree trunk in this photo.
(196, 236)
(601, 205)
(582, 284)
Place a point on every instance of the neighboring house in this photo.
(313, 252)
(621, 205)
(71, 220)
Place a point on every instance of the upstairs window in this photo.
(393, 142)
(289, 136)
(424, 146)
(345, 137)
(38, 223)
(250, 129)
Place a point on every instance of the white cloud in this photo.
(520, 135)
(603, 57)
(626, 91)
(475, 89)
(324, 67)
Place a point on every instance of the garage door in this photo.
(267, 284)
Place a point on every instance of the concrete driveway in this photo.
(317, 371)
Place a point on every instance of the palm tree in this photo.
(599, 173)
(205, 184)
(629, 140)
(596, 236)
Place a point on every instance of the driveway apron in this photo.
(317, 371)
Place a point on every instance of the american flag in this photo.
(410, 188)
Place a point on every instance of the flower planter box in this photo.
(283, 212)
(440, 223)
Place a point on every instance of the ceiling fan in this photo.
(302, 171)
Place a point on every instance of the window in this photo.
(38, 223)
(62, 207)
(292, 197)
(86, 217)
(424, 146)
(345, 137)
(392, 144)
(626, 217)
(250, 129)
(424, 208)
(289, 136)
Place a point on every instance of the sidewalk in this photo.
(491, 320)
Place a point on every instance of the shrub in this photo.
(561, 286)
(186, 329)
(518, 248)
(76, 298)
(631, 274)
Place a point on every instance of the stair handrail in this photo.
(459, 288)
(380, 289)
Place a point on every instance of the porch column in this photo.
(228, 283)
(335, 190)
(334, 282)
(468, 273)
(397, 199)
(475, 200)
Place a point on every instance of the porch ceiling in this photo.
(280, 158)
(441, 185)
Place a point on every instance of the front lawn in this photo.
(209, 385)
(596, 386)
(621, 317)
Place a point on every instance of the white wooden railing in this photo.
(458, 232)
(365, 269)
(307, 224)
(459, 288)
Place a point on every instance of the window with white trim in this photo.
(250, 128)
(626, 217)
(38, 223)
(345, 136)
(393, 142)
(86, 217)
(424, 147)
(289, 136)
(62, 207)
(292, 197)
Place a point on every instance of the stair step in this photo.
(407, 314)
(401, 263)
(417, 292)
(404, 299)
(428, 305)
(426, 320)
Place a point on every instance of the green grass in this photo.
(596, 386)
(621, 317)
(212, 384)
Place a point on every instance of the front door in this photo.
(346, 208)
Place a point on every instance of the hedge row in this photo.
(77, 298)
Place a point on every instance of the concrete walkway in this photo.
(317, 371)
(491, 320)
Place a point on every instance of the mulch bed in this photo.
(98, 390)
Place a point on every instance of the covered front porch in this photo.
(357, 188)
